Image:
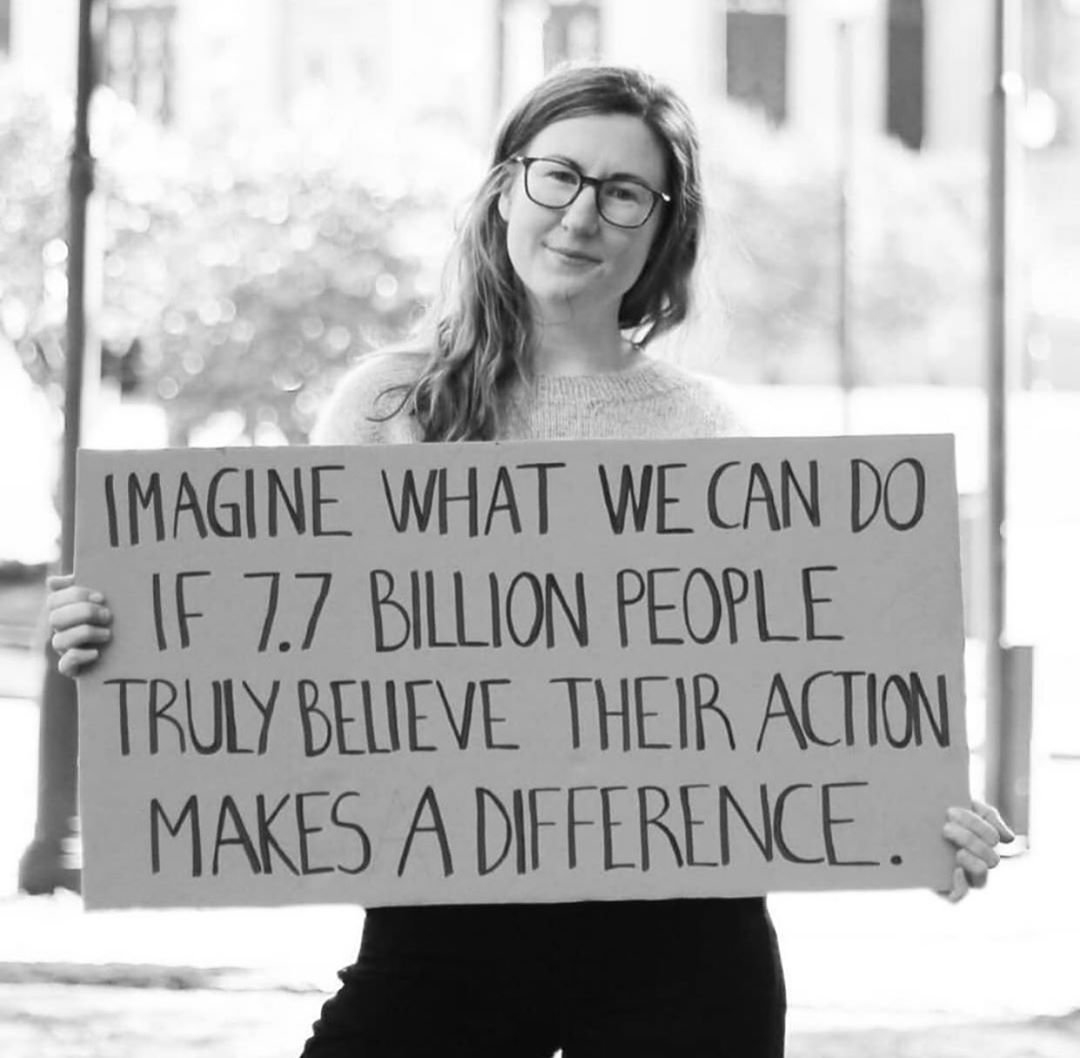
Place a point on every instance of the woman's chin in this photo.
(561, 290)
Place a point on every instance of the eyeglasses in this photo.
(621, 201)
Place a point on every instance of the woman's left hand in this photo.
(975, 832)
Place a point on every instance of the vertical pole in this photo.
(845, 133)
(47, 864)
(1005, 88)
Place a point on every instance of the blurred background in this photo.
(266, 192)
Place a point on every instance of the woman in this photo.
(576, 253)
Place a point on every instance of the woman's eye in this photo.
(626, 192)
(561, 176)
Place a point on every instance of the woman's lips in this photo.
(575, 256)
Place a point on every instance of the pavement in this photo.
(1003, 965)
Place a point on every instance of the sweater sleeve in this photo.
(366, 405)
(731, 415)
(717, 405)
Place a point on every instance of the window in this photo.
(571, 32)
(905, 72)
(139, 58)
(755, 54)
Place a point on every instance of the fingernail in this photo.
(106, 613)
(96, 596)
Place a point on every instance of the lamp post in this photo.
(47, 864)
(845, 64)
(845, 14)
(1009, 668)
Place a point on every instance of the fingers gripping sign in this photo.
(975, 832)
(80, 623)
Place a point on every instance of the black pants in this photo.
(633, 979)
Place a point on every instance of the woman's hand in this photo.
(79, 621)
(975, 832)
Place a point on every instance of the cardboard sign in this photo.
(521, 671)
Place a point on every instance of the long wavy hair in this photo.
(481, 325)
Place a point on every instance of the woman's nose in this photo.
(582, 214)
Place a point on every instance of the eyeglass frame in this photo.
(595, 181)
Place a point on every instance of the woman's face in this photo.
(572, 257)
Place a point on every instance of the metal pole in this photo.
(1005, 89)
(47, 864)
(846, 139)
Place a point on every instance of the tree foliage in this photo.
(244, 294)
(771, 278)
(33, 251)
(236, 280)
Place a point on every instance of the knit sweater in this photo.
(652, 400)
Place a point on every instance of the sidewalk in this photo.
(900, 967)
(852, 959)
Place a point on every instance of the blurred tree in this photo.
(238, 286)
(244, 293)
(244, 282)
(770, 281)
(34, 137)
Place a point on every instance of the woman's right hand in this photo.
(79, 620)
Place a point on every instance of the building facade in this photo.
(196, 63)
